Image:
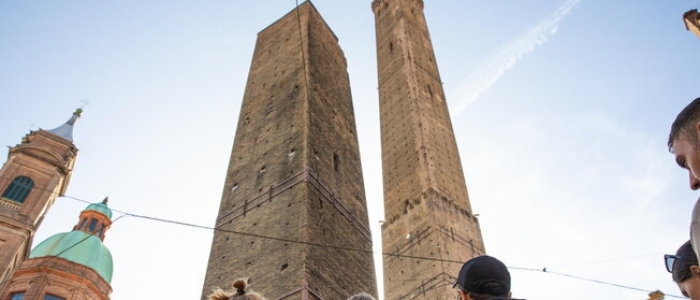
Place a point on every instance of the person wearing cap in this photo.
(483, 278)
(685, 270)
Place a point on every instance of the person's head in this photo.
(483, 277)
(685, 270)
(241, 292)
(361, 296)
(684, 143)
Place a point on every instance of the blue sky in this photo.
(564, 151)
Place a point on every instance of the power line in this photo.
(87, 236)
(590, 262)
(260, 236)
(544, 270)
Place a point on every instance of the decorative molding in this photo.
(7, 204)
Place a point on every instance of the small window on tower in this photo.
(19, 189)
(336, 162)
(52, 297)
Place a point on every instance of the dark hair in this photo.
(687, 118)
(242, 292)
(686, 259)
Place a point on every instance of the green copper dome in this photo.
(84, 244)
(101, 208)
(79, 247)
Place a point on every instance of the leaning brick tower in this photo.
(293, 216)
(429, 228)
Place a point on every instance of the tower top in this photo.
(691, 19)
(66, 130)
(101, 208)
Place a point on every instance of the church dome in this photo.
(84, 244)
(79, 247)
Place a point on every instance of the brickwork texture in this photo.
(429, 229)
(293, 214)
(48, 161)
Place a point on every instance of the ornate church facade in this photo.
(67, 266)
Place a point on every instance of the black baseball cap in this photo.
(484, 275)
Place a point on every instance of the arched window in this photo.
(19, 189)
(17, 296)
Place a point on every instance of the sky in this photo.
(561, 111)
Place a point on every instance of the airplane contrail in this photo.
(488, 72)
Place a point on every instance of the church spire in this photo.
(36, 172)
(66, 130)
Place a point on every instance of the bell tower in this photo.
(429, 228)
(36, 172)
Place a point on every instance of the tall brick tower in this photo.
(35, 173)
(429, 229)
(294, 202)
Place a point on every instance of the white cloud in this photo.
(488, 72)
